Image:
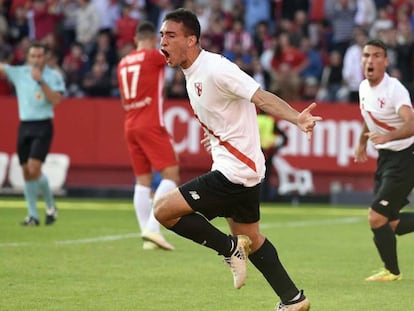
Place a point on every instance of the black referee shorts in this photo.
(34, 140)
(213, 195)
(394, 180)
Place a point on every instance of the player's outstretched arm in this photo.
(279, 108)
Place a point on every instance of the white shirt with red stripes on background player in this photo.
(379, 108)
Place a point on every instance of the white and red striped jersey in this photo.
(141, 76)
(379, 107)
(220, 94)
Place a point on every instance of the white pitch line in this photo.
(15, 244)
(107, 238)
(100, 239)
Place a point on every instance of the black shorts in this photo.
(213, 195)
(34, 140)
(394, 180)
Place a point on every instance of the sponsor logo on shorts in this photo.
(384, 203)
(194, 195)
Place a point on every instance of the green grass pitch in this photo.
(92, 259)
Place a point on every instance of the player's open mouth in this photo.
(370, 69)
(166, 54)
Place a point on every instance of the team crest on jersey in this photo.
(381, 102)
(198, 87)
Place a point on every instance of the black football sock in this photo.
(386, 243)
(406, 224)
(198, 229)
(266, 260)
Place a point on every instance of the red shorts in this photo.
(150, 149)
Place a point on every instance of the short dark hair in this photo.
(39, 45)
(145, 30)
(378, 43)
(188, 19)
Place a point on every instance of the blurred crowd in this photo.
(299, 49)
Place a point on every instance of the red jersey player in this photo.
(141, 82)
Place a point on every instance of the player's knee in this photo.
(375, 219)
(156, 208)
(171, 175)
(160, 206)
(31, 172)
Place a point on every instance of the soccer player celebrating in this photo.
(389, 124)
(141, 82)
(221, 96)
